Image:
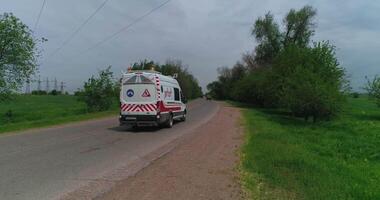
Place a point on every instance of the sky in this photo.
(203, 34)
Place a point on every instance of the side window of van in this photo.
(176, 94)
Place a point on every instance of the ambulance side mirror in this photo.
(183, 98)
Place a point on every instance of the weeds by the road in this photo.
(287, 158)
(30, 111)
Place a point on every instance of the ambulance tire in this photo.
(170, 122)
(183, 118)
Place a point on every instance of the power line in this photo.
(39, 15)
(126, 27)
(79, 28)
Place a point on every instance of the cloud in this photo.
(204, 34)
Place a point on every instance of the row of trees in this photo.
(189, 84)
(101, 92)
(286, 70)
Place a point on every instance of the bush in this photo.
(39, 92)
(8, 116)
(310, 81)
(355, 95)
(373, 88)
(256, 89)
(54, 92)
(99, 93)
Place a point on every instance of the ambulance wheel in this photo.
(170, 121)
(183, 118)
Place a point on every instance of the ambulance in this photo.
(148, 98)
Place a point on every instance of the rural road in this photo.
(85, 158)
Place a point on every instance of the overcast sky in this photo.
(204, 34)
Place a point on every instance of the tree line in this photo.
(286, 70)
(101, 92)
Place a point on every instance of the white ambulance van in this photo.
(148, 98)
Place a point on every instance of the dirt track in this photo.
(201, 167)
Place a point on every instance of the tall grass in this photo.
(287, 158)
(30, 111)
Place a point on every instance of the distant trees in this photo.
(373, 88)
(17, 54)
(285, 70)
(189, 84)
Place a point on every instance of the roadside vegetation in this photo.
(287, 70)
(189, 84)
(33, 111)
(308, 136)
(288, 158)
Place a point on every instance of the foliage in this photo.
(98, 92)
(286, 158)
(189, 84)
(310, 80)
(268, 35)
(17, 54)
(285, 70)
(255, 88)
(299, 27)
(55, 92)
(355, 95)
(39, 92)
(373, 88)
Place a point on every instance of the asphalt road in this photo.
(85, 158)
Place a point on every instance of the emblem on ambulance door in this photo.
(130, 93)
(146, 93)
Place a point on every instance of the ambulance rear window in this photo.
(176, 94)
(138, 79)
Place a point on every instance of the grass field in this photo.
(30, 111)
(287, 158)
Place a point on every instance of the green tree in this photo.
(309, 80)
(99, 92)
(373, 88)
(18, 54)
(299, 26)
(268, 35)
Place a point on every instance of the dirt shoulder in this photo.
(201, 167)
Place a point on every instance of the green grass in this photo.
(29, 111)
(287, 158)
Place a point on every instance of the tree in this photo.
(99, 92)
(373, 88)
(299, 26)
(310, 81)
(18, 54)
(268, 35)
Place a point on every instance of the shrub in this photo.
(98, 92)
(39, 92)
(310, 81)
(373, 88)
(8, 116)
(255, 88)
(355, 95)
(54, 92)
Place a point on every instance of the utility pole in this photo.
(39, 83)
(55, 84)
(27, 90)
(47, 84)
(62, 86)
